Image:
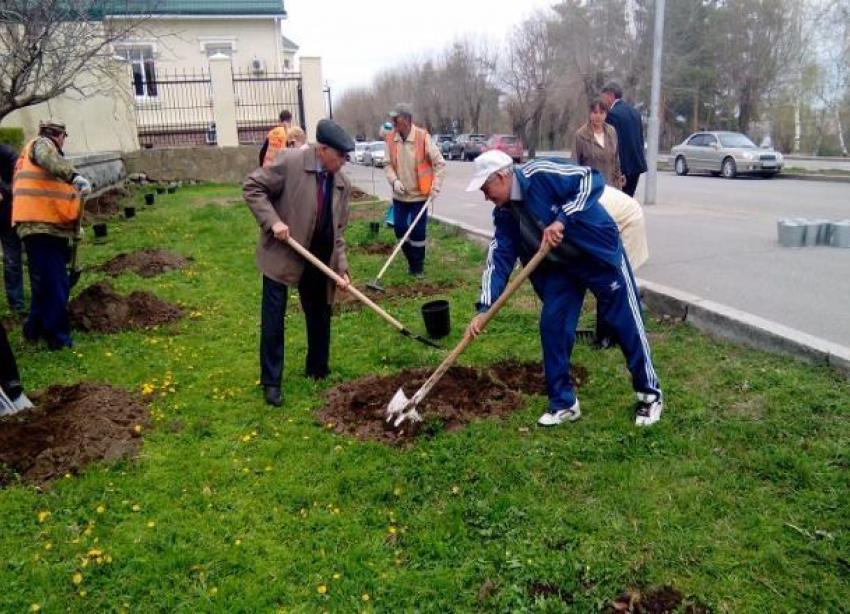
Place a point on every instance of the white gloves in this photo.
(433, 195)
(82, 185)
(398, 187)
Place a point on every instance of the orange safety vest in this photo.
(277, 142)
(422, 163)
(38, 196)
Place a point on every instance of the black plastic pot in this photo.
(99, 230)
(150, 198)
(160, 189)
(374, 228)
(172, 189)
(129, 212)
(437, 318)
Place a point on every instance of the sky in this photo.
(357, 39)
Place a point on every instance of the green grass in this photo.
(739, 497)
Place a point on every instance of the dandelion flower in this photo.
(365, 596)
(78, 578)
(322, 589)
(100, 509)
(42, 515)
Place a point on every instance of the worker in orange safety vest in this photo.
(276, 139)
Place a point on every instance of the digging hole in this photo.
(99, 308)
(655, 600)
(145, 262)
(70, 427)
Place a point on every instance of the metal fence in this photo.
(174, 109)
(259, 100)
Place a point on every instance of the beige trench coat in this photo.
(285, 191)
(628, 215)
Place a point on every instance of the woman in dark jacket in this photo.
(595, 145)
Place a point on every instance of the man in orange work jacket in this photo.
(276, 139)
(45, 211)
(415, 169)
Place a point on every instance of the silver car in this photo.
(724, 153)
(375, 154)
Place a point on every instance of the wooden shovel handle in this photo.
(337, 278)
(404, 239)
(488, 315)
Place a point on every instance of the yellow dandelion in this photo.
(93, 552)
(48, 546)
(83, 593)
(151, 524)
(365, 596)
(322, 589)
(136, 507)
(78, 578)
(100, 509)
(108, 354)
(137, 428)
(337, 576)
(238, 542)
(214, 590)
(392, 530)
(455, 490)
(42, 515)
(397, 491)
(35, 607)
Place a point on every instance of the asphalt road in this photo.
(716, 238)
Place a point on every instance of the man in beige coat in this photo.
(302, 195)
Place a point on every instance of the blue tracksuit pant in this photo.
(414, 247)
(562, 291)
(48, 317)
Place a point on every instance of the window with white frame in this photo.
(141, 58)
(210, 47)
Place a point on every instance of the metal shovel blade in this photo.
(376, 286)
(400, 408)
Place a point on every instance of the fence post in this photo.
(313, 88)
(224, 101)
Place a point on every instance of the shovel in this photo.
(357, 294)
(375, 284)
(74, 272)
(401, 408)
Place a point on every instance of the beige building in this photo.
(165, 79)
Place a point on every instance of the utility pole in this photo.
(652, 163)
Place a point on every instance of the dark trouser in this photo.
(312, 289)
(48, 318)
(562, 292)
(414, 247)
(631, 183)
(9, 376)
(13, 271)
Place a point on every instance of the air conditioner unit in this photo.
(258, 65)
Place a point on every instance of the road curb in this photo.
(720, 320)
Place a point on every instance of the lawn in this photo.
(738, 498)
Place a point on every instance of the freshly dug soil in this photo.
(528, 377)
(70, 427)
(107, 203)
(381, 248)
(145, 262)
(358, 407)
(654, 600)
(358, 195)
(345, 301)
(101, 309)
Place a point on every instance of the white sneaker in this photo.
(554, 418)
(648, 410)
(7, 407)
(22, 402)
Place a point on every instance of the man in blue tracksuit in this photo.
(559, 202)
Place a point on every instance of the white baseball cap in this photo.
(485, 165)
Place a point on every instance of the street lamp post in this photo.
(652, 163)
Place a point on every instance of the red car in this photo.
(510, 144)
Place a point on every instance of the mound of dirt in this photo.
(654, 600)
(381, 248)
(345, 301)
(70, 427)
(528, 377)
(101, 309)
(107, 203)
(463, 394)
(358, 195)
(145, 262)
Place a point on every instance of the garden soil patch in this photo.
(108, 203)
(528, 377)
(654, 600)
(345, 301)
(380, 248)
(145, 262)
(463, 394)
(100, 308)
(70, 427)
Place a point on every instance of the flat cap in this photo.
(401, 108)
(330, 133)
(52, 124)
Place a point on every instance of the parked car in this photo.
(724, 153)
(467, 146)
(356, 156)
(509, 143)
(375, 154)
(444, 143)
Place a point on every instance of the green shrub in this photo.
(13, 137)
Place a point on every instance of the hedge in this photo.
(13, 137)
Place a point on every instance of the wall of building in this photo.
(221, 164)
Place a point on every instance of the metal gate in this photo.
(174, 109)
(259, 100)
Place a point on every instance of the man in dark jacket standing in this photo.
(302, 194)
(13, 274)
(626, 121)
